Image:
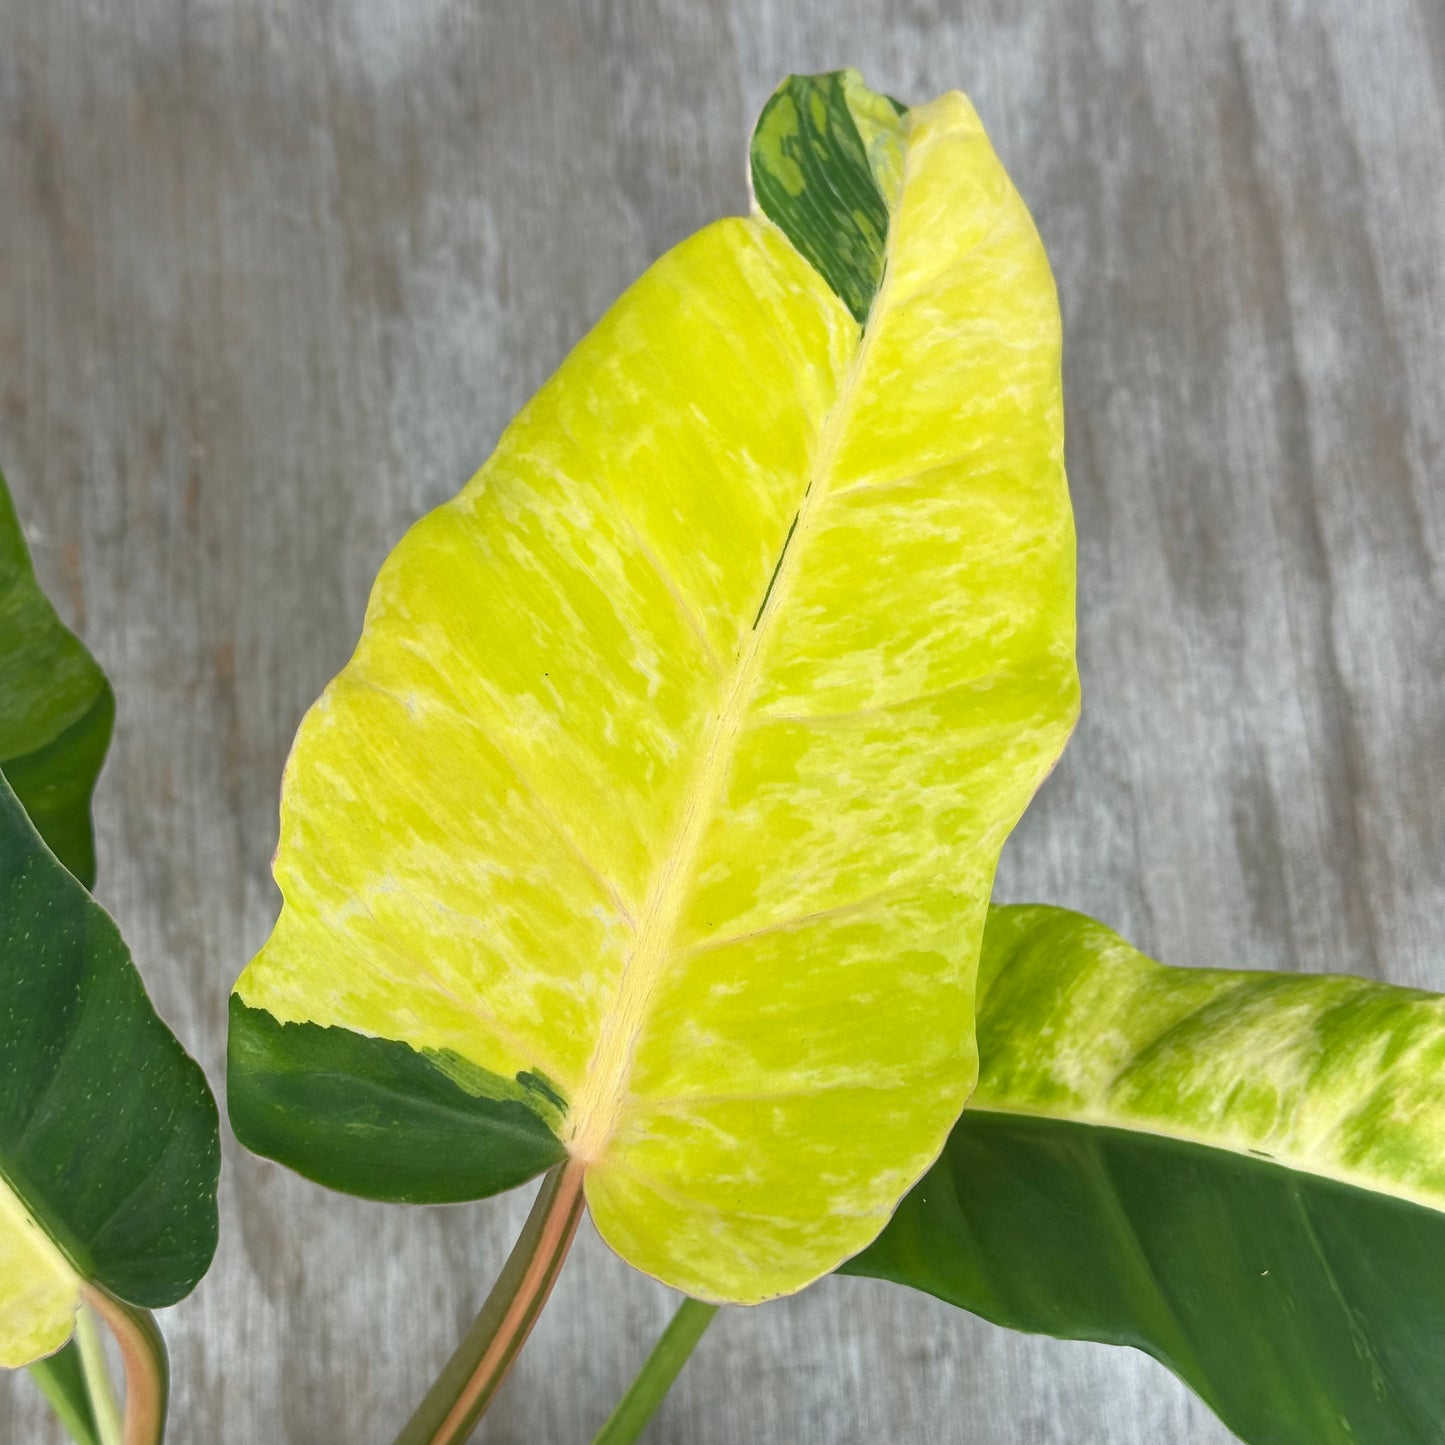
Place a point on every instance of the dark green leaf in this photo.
(108, 1132)
(56, 708)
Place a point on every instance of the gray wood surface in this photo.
(273, 276)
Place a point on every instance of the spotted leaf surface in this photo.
(109, 1146)
(1241, 1173)
(662, 797)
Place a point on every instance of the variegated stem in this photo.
(464, 1389)
(657, 1376)
(147, 1370)
(105, 1409)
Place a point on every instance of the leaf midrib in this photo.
(603, 1093)
(1294, 1163)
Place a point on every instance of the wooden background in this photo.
(273, 275)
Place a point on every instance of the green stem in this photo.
(147, 1370)
(656, 1378)
(61, 1377)
(464, 1389)
(97, 1377)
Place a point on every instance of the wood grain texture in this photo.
(274, 276)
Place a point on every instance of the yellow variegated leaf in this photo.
(1241, 1173)
(654, 820)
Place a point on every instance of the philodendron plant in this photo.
(646, 844)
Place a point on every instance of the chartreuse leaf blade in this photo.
(56, 708)
(1241, 1173)
(666, 785)
(109, 1144)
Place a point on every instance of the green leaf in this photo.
(1241, 1173)
(56, 708)
(109, 1146)
(664, 792)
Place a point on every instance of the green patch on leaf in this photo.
(377, 1118)
(827, 166)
